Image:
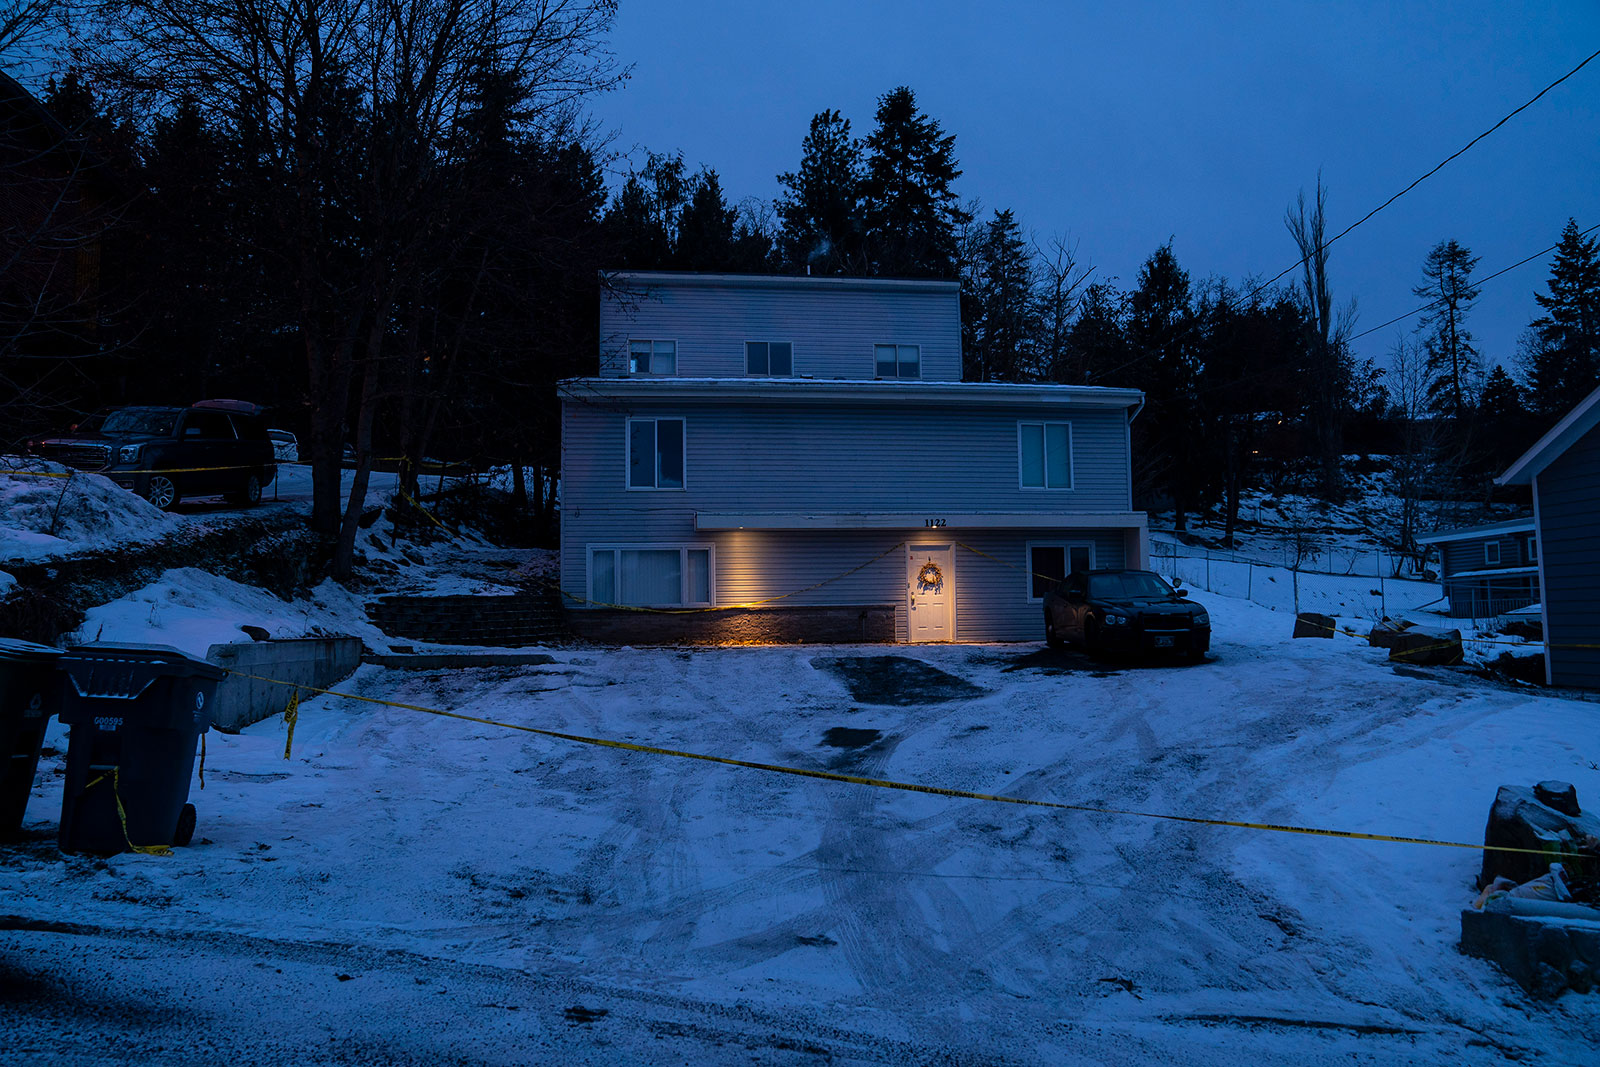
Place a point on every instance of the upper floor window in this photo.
(770, 358)
(1491, 552)
(1044, 455)
(898, 361)
(655, 453)
(652, 357)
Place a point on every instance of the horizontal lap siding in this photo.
(1458, 556)
(833, 331)
(1569, 536)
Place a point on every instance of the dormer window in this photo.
(769, 359)
(898, 361)
(653, 357)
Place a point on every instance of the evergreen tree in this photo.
(705, 226)
(909, 204)
(1097, 344)
(1562, 351)
(1501, 398)
(1160, 316)
(1000, 305)
(820, 210)
(1453, 361)
(642, 223)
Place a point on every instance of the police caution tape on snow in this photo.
(884, 783)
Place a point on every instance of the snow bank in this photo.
(42, 517)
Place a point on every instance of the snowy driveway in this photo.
(410, 888)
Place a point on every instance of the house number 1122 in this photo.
(932, 523)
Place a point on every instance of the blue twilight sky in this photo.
(1123, 124)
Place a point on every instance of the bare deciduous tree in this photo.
(1327, 341)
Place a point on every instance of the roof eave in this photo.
(1549, 448)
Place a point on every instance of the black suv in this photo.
(213, 448)
(1125, 611)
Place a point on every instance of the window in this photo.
(1049, 562)
(656, 576)
(1044, 452)
(1491, 552)
(652, 357)
(898, 361)
(212, 424)
(655, 453)
(771, 358)
(1533, 549)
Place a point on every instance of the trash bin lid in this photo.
(14, 650)
(168, 660)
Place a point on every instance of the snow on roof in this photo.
(1566, 433)
(779, 281)
(1485, 531)
(1493, 572)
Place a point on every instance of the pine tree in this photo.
(1097, 344)
(909, 204)
(1562, 351)
(1453, 361)
(705, 226)
(820, 210)
(1501, 398)
(999, 286)
(1160, 314)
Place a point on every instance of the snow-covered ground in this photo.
(416, 889)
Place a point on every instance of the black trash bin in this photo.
(136, 712)
(28, 697)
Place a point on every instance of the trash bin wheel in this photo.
(185, 832)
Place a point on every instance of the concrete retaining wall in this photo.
(313, 661)
(870, 623)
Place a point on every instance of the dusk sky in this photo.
(1121, 125)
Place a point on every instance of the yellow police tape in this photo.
(122, 815)
(910, 787)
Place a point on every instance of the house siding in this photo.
(1468, 555)
(1568, 492)
(793, 457)
(833, 328)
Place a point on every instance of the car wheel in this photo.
(249, 494)
(1091, 639)
(162, 491)
(1051, 638)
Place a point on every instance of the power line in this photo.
(1534, 99)
(1478, 282)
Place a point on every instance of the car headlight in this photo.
(128, 454)
(1202, 619)
(1116, 620)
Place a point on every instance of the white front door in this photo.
(931, 592)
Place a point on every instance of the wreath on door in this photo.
(930, 577)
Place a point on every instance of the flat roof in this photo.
(866, 390)
(835, 283)
(1470, 533)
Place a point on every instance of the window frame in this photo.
(748, 373)
(652, 342)
(1531, 548)
(627, 455)
(1065, 546)
(1495, 562)
(1044, 459)
(683, 547)
(898, 377)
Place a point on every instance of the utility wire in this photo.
(1435, 170)
(1476, 282)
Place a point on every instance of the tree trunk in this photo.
(519, 484)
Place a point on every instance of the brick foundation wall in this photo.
(844, 624)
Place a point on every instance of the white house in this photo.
(796, 458)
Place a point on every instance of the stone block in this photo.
(308, 661)
(1518, 819)
(1311, 624)
(1425, 647)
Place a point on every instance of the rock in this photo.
(1310, 624)
(1527, 629)
(1418, 645)
(412, 554)
(1559, 795)
(1518, 819)
(368, 517)
(256, 633)
(1384, 633)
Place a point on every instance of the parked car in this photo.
(1125, 611)
(212, 448)
(284, 446)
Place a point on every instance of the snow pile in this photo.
(193, 610)
(43, 516)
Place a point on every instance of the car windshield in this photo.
(139, 420)
(1127, 584)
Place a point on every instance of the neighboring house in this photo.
(1488, 570)
(1564, 470)
(795, 458)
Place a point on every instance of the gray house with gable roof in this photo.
(796, 458)
(1563, 468)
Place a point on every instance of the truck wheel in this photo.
(185, 831)
(162, 492)
(248, 494)
(1051, 638)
